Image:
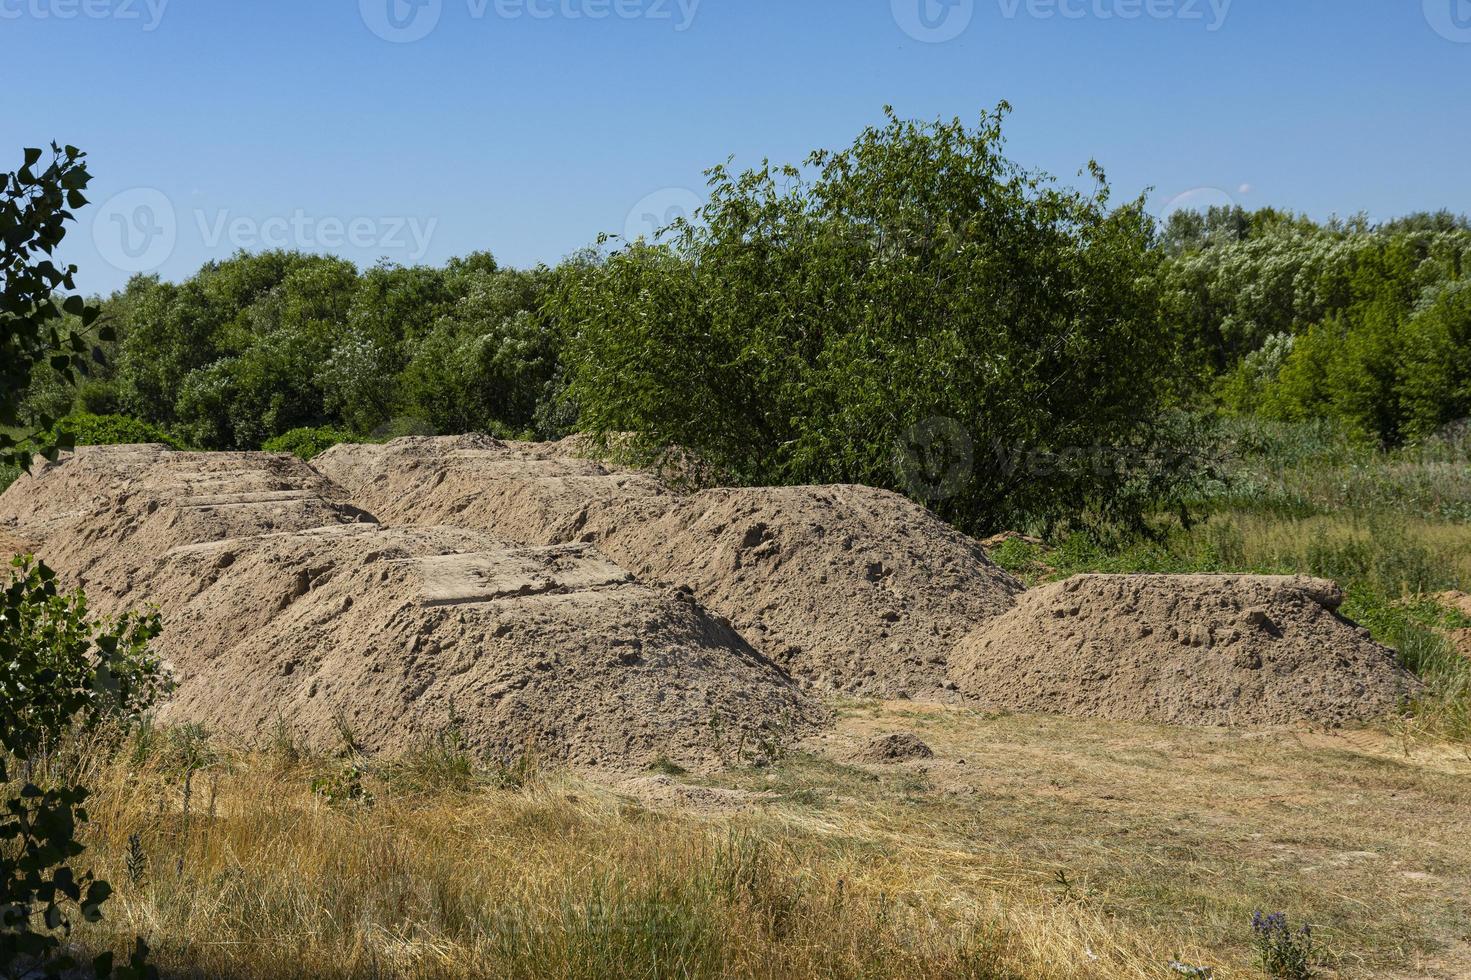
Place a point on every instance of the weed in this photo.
(1284, 953)
(664, 766)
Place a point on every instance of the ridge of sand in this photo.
(285, 605)
(1183, 649)
(849, 588)
(518, 491)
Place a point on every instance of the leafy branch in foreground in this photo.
(34, 210)
(60, 670)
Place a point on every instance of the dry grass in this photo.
(1057, 848)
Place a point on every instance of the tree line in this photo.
(914, 311)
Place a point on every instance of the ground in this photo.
(1026, 846)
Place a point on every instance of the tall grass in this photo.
(250, 874)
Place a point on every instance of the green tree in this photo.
(882, 315)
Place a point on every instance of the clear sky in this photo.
(422, 129)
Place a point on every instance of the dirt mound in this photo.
(1456, 602)
(54, 494)
(848, 588)
(282, 602)
(1188, 649)
(403, 633)
(889, 749)
(514, 490)
(104, 515)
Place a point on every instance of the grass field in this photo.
(1028, 847)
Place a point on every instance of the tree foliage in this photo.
(1369, 326)
(914, 312)
(39, 327)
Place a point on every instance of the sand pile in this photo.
(514, 490)
(103, 516)
(889, 749)
(848, 588)
(283, 603)
(398, 631)
(1189, 649)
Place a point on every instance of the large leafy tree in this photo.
(915, 312)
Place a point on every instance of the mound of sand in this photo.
(553, 651)
(1187, 649)
(104, 515)
(889, 749)
(513, 490)
(282, 604)
(848, 588)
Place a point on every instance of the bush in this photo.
(112, 430)
(308, 443)
(60, 671)
(923, 315)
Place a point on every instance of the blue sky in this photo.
(422, 129)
